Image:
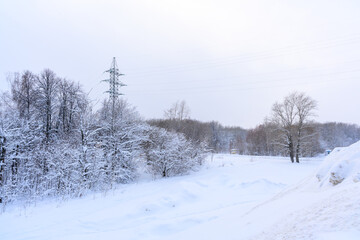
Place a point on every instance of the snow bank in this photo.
(341, 166)
(322, 211)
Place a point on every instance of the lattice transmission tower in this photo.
(114, 81)
(115, 84)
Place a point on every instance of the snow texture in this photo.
(232, 197)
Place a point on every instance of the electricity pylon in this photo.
(113, 91)
(114, 81)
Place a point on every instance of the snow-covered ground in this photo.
(232, 197)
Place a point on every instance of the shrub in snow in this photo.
(169, 154)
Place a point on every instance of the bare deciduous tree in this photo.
(47, 85)
(22, 88)
(178, 111)
(292, 117)
(305, 107)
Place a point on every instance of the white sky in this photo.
(230, 60)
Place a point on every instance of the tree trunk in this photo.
(298, 146)
(2, 161)
(291, 149)
(164, 173)
(298, 153)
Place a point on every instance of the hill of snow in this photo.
(232, 197)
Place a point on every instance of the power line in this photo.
(235, 86)
(234, 89)
(252, 75)
(284, 51)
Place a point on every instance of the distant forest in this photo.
(261, 140)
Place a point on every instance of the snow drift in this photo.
(341, 166)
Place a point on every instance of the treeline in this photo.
(219, 139)
(263, 139)
(290, 130)
(53, 144)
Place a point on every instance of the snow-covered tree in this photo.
(120, 136)
(53, 145)
(169, 154)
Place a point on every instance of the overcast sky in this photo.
(229, 60)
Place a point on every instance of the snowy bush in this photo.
(169, 154)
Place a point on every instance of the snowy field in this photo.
(231, 197)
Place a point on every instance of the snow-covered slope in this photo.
(232, 197)
(325, 206)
